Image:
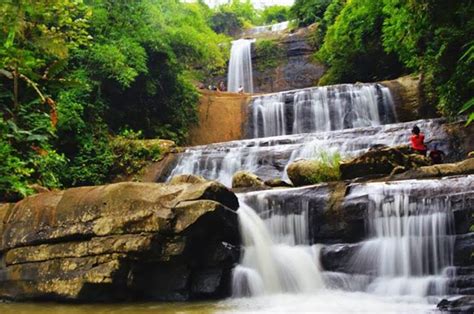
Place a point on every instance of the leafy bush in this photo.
(130, 155)
(275, 14)
(353, 47)
(307, 12)
(269, 54)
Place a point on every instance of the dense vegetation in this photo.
(366, 40)
(73, 73)
(81, 79)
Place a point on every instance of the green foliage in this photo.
(233, 17)
(275, 14)
(332, 12)
(73, 73)
(431, 37)
(327, 167)
(13, 171)
(269, 54)
(132, 154)
(353, 47)
(307, 12)
(375, 40)
(226, 23)
(468, 58)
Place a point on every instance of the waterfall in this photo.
(269, 264)
(269, 157)
(407, 253)
(240, 66)
(277, 27)
(411, 241)
(321, 109)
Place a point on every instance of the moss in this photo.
(270, 54)
(132, 155)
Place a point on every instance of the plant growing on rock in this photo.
(269, 53)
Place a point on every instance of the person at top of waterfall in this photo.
(241, 89)
(221, 86)
(418, 141)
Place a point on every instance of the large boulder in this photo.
(246, 179)
(306, 172)
(382, 161)
(123, 241)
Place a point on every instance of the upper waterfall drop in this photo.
(318, 109)
(240, 66)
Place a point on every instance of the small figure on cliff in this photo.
(241, 89)
(417, 141)
(221, 86)
(436, 155)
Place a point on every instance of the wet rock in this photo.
(246, 179)
(407, 96)
(451, 169)
(275, 183)
(186, 178)
(463, 304)
(295, 68)
(124, 241)
(337, 257)
(463, 250)
(381, 160)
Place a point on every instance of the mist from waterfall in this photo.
(240, 66)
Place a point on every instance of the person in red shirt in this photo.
(417, 141)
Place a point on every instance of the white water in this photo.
(269, 157)
(240, 66)
(411, 237)
(320, 109)
(278, 27)
(270, 267)
(407, 253)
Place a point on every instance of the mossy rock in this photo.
(382, 161)
(307, 172)
(246, 179)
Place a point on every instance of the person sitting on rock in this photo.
(436, 155)
(417, 141)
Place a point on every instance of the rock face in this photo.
(382, 161)
(408, 98)
(296, 68)
(124, 241)
(246, 179)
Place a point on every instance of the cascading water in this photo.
(411, 236)
(240, 66)
(321, 109)
(277, 27)
(409, 249)
(271, 261)
(269, 157)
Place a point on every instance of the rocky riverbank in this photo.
(124, 241)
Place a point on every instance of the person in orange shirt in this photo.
(417, 141)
